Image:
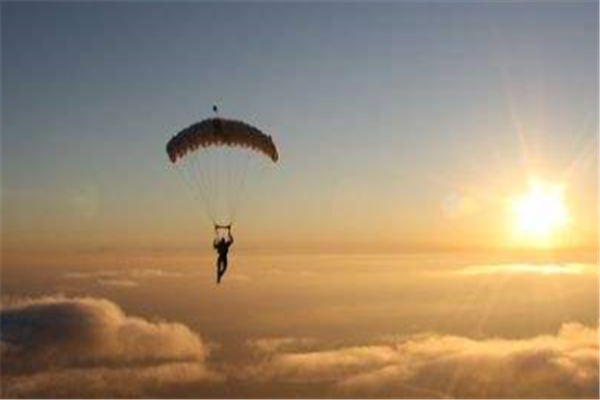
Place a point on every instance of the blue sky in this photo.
(375, 107)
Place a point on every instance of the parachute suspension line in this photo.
(200, 180)
(205, 164)
(185, 179)
(228, 162)
(240, 187)
(216, 174)
(231, 168)
(188, 181)
(220, 184)
(196, 170)
(200, 186)
(194, 187)
(205, 170)
(209, 163)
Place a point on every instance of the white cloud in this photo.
(81, 347)
(563, 365)
(530, 269)
(88, 347)
(276, 344)
(123, 278)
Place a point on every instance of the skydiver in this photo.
(221, 245)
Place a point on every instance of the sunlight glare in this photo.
(540, 212)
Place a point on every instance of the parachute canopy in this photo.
(214, 156)
(220, 132)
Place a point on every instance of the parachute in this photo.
(217, 132)
(214, 156)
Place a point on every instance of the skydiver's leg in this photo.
(221, 267)
(224, 265)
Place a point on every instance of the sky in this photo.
(429, 231)
(400, 125)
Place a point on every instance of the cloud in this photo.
(272, 345)
(123, 283)
(84, 347)
(123, 278)
(561, 365)
(528, 269)
(88, 347)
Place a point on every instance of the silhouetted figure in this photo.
(222, 245)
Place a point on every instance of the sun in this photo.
(539, 213)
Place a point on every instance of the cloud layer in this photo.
(88, 347)
(562, 365)
(123, 278)
(56, 346)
